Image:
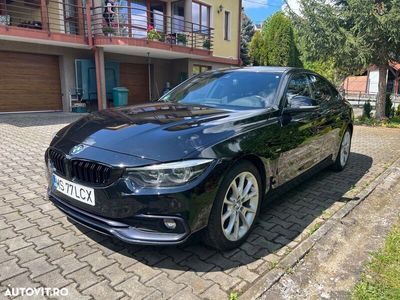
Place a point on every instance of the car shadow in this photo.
(279, 223)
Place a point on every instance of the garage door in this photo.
(135, 78)
(29, 82)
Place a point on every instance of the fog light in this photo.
(170, 224)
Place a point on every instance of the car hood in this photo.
(159, 131)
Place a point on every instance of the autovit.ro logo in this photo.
(35, 291)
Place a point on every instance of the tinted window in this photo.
(321, 89)
(231, 89)
(299, 87)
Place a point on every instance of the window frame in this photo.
(327, 83)
(227, 27)
(207, 68)
(290, 77)
(200, 24)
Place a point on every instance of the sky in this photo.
(259, 10)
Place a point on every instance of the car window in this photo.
(322, 91)
(298, 86)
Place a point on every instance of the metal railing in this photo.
(56, 16)
(132, 22)
(358, 99)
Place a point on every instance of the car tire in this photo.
(236, 203)
(344, 152)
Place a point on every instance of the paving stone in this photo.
(69, 264)
(214, 292)
(134, 289)
(143, 271)
(42, 241)
(69, 239)
(167, 287)
(114, 274)
(27, 254)
(97, 261)
(85, 278)
(38, 266)
(53, 279)
(16, 243)
(103, 290)
(81, 249)
(123, 258)
(9, 269)
(185, 294)
(21, 224)
(225, 281)
(55, 252)
(196, 283)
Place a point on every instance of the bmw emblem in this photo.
(77, 149)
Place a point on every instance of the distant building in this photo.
(258, 27)
(368, 82)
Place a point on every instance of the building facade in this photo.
(54, 52)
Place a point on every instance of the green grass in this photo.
(381, 279)
(393, 122)
(233, 296)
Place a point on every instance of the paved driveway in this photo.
(39, 247)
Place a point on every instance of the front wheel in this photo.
(235, 208)
(344, 152)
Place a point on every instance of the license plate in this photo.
(76, 191)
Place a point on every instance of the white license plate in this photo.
(76, 191)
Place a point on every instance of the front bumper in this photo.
(122, 231)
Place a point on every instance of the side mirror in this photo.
(300, 102)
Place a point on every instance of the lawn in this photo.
(381, 279)
(393, 122)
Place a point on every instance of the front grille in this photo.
(90, 172)
(82, 170)
(58, 160)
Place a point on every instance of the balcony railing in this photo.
(57, 16)
(138, 23)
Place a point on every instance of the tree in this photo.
(247, 32)
(357, 33)
(279, 42)
(257, 50)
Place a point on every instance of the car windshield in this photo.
(233, 89)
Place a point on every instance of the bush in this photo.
(388, 106)
(367, 108)
(397, 112)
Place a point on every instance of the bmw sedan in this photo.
(203, 158)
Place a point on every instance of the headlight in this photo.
(169, 174)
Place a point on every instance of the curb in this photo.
(267, 280)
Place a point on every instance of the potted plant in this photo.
(207, 44)
(153, 34)
(108, 31)
(181, 39)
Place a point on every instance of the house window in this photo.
(200, 17)
(227, 26)
(197, 69)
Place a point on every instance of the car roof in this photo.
(265, 69)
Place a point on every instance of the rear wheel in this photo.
(344, 152)
(235, 208)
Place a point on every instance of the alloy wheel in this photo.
(345, 149)
(240, 206)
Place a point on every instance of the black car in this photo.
(203, 157)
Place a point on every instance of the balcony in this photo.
(56, 21)
(135, 26)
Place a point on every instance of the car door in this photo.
(299, 134)
(329, 115)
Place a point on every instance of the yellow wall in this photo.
(222, 48)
